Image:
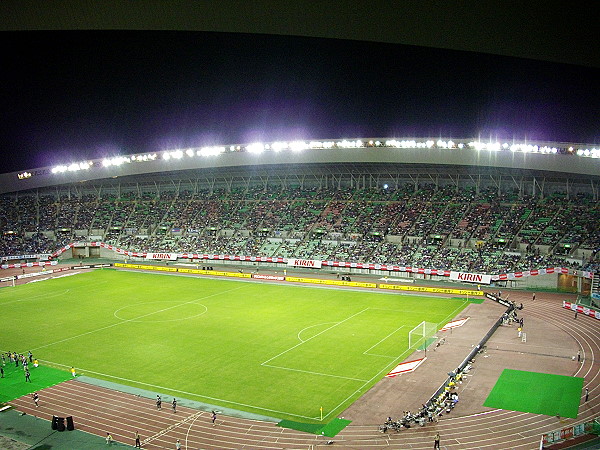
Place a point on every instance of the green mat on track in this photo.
(537, 393)
(330, 430)
(13, 385)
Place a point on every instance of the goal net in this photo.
(421, 336)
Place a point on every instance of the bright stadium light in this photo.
(298, 146)
(429, 144)
(166, 156)
(257, 148)
(189, 152)
(210, 151)
(278, 146)
(59, 169)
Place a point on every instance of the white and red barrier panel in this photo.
(309, 263)
(350, 265)
(31, 264)
(268, 277)
(409, 366)
(162, 256)
(466, 277)
(582, 309)
(454, 324)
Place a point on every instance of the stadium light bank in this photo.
(258, 148)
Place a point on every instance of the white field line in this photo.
(164, 431)
(359, 390)
(366, 352)
(403, 355)
(318, 334)
(313, 373)
(187, 434)
(185, 393)
(451, 315)
(134, 319)
(312, 326)
(56, 294)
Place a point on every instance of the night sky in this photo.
(72, 95)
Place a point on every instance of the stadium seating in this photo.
(424, 226)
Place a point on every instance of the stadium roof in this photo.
(557, 31)
(393, 157)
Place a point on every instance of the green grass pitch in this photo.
(278, 350)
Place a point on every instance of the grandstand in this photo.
(467, 205)
(524, 215)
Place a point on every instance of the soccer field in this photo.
(278, 350)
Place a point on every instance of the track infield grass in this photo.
(271, 349)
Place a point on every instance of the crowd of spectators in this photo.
(424, 226)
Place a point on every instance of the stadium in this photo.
(307, 291)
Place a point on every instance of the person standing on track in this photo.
(177, 445)
(36, 399)
(109, 439)
(174, 405)
(214, 417)
(138, 443)
(436, 440)
(158, 402)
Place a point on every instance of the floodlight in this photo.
(385, 186)
(210, 151)
(461, 145)
(166, 156)
(189, 152)
(257, 147)
(298, 146)
(429, 144)
(278, 146)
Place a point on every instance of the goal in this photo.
(421, 336)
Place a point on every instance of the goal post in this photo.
(421, 336)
